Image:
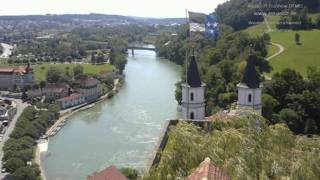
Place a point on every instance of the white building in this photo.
(15, 77)
(193, 101)
(249, 89)
(72, 100)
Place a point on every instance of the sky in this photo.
(142, 8)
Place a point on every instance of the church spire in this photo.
(193, 76)
(251, 77)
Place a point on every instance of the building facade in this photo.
(250, 89)
(193, 100)
(52, 92)
(15, 77)
(70, 101)
(90, 87)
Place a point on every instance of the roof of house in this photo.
(193, 76)
(110, 173)
(251, 77)
(87, 82)
(71, 97)
(207, 171)
(46, 90)
(14, 69)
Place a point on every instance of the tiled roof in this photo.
(72, 96)
(45, 91)
(110, 173)
(207, 171)
(13, 69)
(87, 82)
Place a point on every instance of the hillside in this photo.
(245, 148)
(297, 57)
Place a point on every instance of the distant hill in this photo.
(99, 19)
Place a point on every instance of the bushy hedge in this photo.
(20, 148)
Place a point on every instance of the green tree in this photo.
(11, 165)
(25, 173)
(78, 71)
(178, 92)
(297, 38)
(291, 118)
(54, 75)
(130, 173)
(268, 106)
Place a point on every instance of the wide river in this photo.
(121, 131)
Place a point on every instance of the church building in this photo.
(250, 88)
(193, 100)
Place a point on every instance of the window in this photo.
(249, 98)
(191, 97)
(191, 115)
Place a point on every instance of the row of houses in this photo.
(84, 90)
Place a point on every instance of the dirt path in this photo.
(281, 49)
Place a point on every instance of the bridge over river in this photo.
(132, 48)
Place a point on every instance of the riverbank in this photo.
(69, 112)
(43, 143)
(124, 129)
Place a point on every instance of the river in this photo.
(121, 131)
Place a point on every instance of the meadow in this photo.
(297, 57)
(40, 71)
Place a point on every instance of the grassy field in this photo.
(297, 57)
(272, 50)
(40, 71)
(259, 29)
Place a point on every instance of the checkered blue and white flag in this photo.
(207, 24)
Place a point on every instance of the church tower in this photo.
(193, 105)
(249, 89)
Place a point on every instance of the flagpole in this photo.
(187, 86)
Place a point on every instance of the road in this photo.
(6, 50)
(20, 107)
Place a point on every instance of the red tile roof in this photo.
(110, 173)
(207, 171)
(72, 96)
(87, 82)
(13, 69)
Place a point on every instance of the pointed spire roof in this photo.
(193, 76)
(251, 77)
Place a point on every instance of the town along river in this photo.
(120, 131)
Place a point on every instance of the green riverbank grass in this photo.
(40, 71)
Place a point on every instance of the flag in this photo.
(207, 24)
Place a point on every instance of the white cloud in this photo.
(146, 8)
